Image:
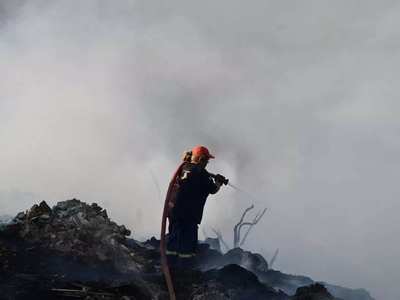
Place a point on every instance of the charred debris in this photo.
(74, 250)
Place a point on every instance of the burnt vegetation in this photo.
(237, 240)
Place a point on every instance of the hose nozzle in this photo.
(220, 178)
(225, 181)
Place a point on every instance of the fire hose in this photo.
(163, 227)
(162, 241)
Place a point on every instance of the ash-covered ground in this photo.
(74, 250)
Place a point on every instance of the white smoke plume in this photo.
(298, 101)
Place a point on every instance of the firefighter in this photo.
(191, 189)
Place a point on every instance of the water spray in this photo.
(244, 193)
(226, 182)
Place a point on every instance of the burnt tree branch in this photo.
(255, 221)
(236, 234)
(219, 235)
(271, 263)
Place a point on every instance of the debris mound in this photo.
(74, 227)
(74, 250)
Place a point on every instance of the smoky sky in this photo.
(297, 100)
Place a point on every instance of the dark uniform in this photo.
(188, 198)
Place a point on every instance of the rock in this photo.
(245, 259)
(34, 211)
(243, 283)
(100, 219)
(214, 243)
(45, 218)
(44, 208)
(118, 238)
(64, 214)
(234, 276)
(82, 215)
(21, 216)
(123, 247)
(313, 292)
(25, 231)
(95, 205)
(101, 256)
(138, 259)
(103, 214)
(263, 262)
(80, 221)
(122, 230)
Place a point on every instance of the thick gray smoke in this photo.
(298, 100)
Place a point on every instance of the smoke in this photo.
(297, 100)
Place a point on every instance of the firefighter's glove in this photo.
(221, 179)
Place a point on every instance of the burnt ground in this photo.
(31, 271)
(74, 250)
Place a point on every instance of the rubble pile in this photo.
(74, 227)
(34, 272)
(74, 250)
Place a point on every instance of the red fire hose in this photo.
(163, 227)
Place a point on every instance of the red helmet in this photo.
(200, 150)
